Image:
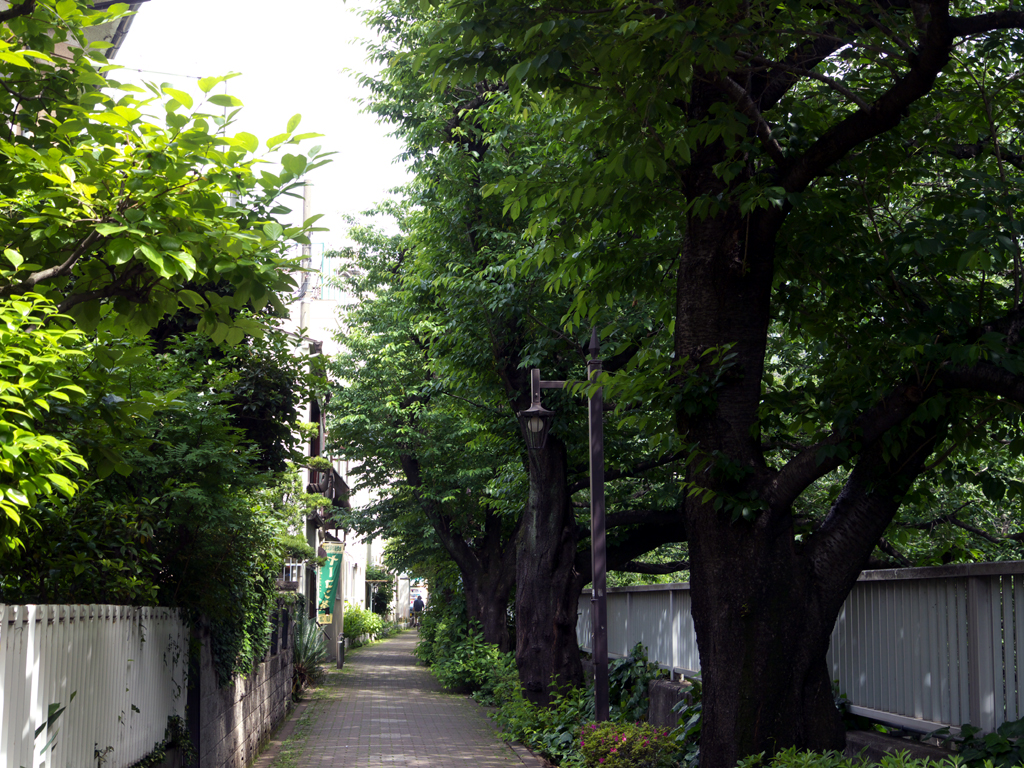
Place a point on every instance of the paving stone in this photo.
(388, 712)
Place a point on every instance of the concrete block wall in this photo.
(663, 695)
(236, 721)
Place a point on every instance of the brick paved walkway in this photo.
(384, 710)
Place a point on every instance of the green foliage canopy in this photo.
(110, 218)
(821, 205)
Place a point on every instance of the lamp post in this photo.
(536, 422)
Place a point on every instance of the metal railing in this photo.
(126, 666)
(919, 648)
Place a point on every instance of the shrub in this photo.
(793, 758)
(551, 731)
(359, 622)
(310, 652)
(625, 745)
(457, 655)
(432, 625)
(554, 731)
(1003, 749)
(502, 684)
(629, 682)
(465, 662)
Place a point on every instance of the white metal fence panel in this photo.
(618, 624)
(686, 656)
(915, 647)
(900, 647)
(125, 666)
(657, 616)
(585, 623)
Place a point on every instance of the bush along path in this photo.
(383, 709)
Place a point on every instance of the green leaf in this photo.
(207, 84)
(16, 59)
(181, 96)
(224, 100)
(191, 299)
(121, 250)
(293, 123)
(234, 336)
(294, 164)
(250, 142)
(273, 141)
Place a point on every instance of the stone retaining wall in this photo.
(236, 721)
(665, 694)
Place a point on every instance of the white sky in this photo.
(293, 58)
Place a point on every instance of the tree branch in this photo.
(830, 82)
(972, 151)
(952, 519)
(841, 546)
(655, 569)
(634, 471)
(644, 517)
(24, 9)
(106, 292)
(637, 542)
(894, 553)
(747, 106)
(885, 112)
(986, 22)
(453, 543)
(813, 462)
(984, 377)
(767, 90)
(58, 270)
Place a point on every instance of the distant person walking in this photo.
(417, 610)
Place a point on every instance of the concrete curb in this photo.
(527, 756)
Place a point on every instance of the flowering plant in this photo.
(625, 745)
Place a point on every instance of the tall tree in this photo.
(842, 177)
(484, 324)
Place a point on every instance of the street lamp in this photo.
(536, 421)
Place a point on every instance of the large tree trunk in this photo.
(488, 585)
(486, 562)
(547, 584)
(761, 631)
(764, 605)
(489, 606)
(763, 635)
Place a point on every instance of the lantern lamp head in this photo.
(536, 421)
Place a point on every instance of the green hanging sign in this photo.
(330, 574)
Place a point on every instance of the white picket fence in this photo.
(919, 648)
(126, 666)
